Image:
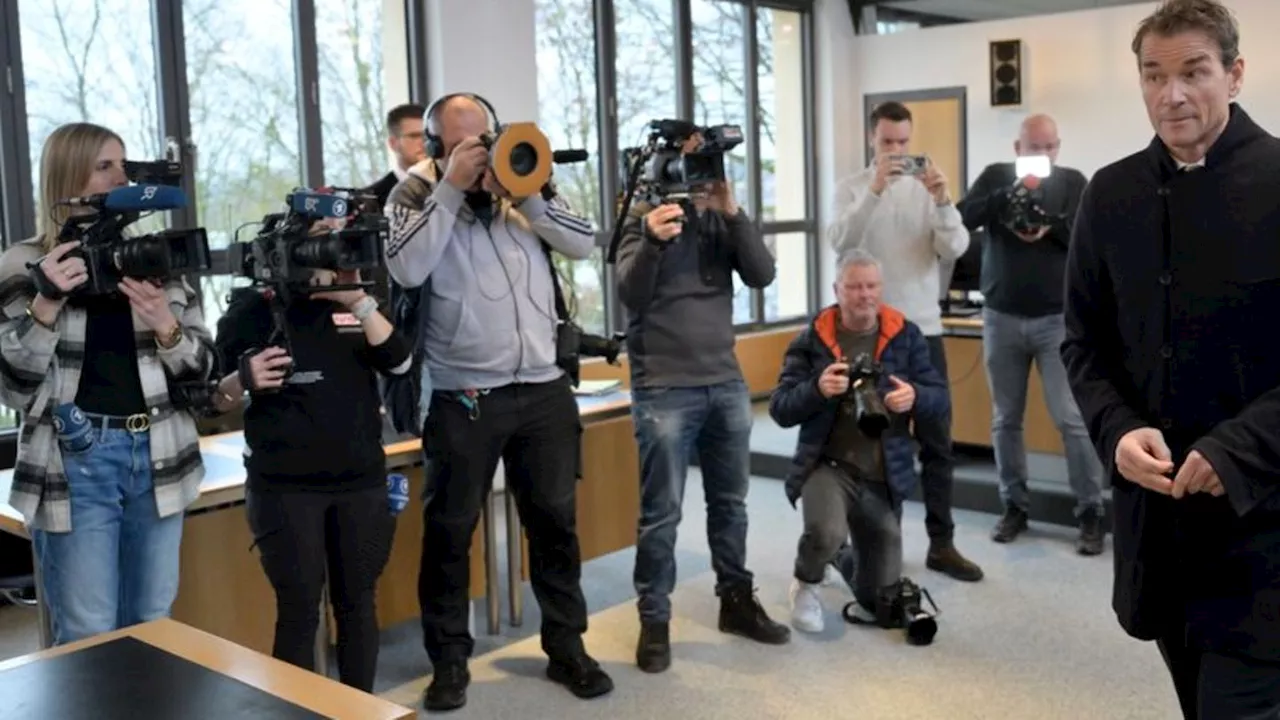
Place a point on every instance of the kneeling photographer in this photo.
(307, 348)
(852, 381)
(95, 330)
(676, 254)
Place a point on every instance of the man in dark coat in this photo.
(1173, 294)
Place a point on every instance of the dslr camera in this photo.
(1023, 213)
(661, 170)
(110, 255)
(285, 251)
(864, 376)
(573, 344)
(901, 605)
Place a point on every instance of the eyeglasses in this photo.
(412, 136)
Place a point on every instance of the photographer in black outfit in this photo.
(1028, 222)
(316, 494)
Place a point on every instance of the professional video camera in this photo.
(864, 376)
(286, 251)
(281, 259)
(520, 156)
(110, 255)
(660, 170)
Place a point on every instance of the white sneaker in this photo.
(806, 607)
(831, 577)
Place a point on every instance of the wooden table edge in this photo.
(293, 684)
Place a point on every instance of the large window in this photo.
(353, 96)
(783, 157)
(89, 62)
(567, 113)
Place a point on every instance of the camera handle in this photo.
(633, 175)
(278, 301)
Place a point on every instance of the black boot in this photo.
(653, 650)
(448, 688)
(1012, 524)
(581, 674)
(943, 557)
(742, 614)
(1091, 532)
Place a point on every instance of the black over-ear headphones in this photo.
(435, 145)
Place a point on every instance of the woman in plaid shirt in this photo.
(104, 509)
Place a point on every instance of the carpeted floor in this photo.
(1035, 639)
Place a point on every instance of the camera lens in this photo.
(143, 257)
(524, 159)
(321, 253)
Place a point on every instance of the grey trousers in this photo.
(1010, 344)
(834, 505)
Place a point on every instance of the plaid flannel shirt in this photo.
(40, 369)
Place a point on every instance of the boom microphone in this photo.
(134, 198)
(317, 205)
(565, 157)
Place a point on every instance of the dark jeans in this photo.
(937, 460)
(534, 430)
(300, 537)
(836, 504)
(1213, 686)
(671, 424)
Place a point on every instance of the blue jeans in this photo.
(1010, 343)
(671, 424)
(119, 564)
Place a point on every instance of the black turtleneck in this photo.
(109, 381)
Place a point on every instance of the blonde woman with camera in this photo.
(106, 465)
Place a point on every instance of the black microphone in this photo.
(565, 157)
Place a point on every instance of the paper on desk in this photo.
(597, 387)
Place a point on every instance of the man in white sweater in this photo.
(901, 212)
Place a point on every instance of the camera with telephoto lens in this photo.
(864, 375)
(572, 344)
(1023, 212)
(901, 606)
(661, 171)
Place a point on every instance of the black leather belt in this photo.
(136, 423)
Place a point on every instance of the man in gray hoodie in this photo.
(490, 348)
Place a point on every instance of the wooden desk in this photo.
(222, 589)
(971, 394)
(309, 690)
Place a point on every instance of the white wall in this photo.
(485, 47)
(1077, 67)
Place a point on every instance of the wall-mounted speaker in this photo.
(1006, 73)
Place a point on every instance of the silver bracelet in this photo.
(366, 307)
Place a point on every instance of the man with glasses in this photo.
(406, 141)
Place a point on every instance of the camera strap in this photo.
(562, 309)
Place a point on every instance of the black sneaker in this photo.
(1010, 526)
(448, 688)
(1091, 533)
(581, 675)
(653, 650)
(742, 614)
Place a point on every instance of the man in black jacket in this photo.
(1173, 290)
(406, 139)
(1022, 271)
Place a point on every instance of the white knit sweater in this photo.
(908, 233)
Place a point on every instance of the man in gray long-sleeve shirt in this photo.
(490, 348)
(675, 266)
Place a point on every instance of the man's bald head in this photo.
(457, 119)
(1038, 136)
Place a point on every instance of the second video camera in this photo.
(665, 169)
(288, 248)
(864, 377)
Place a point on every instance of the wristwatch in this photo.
(171, 339)
(364, 307)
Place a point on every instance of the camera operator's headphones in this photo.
(435, 145)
